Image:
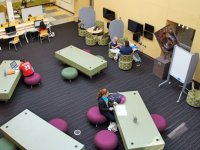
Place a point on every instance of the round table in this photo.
(97, 31)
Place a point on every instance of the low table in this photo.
(81, 60)
(97, 31)
(137, 128)
(30, 132)
(8, 83)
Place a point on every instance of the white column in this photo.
(10, 12)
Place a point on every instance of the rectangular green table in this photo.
(30, 132)
(8, 83)
(142, 133)
(81, 60)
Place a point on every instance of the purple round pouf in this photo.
(160, 122)
(94, 116)
(59, 124)
(33, 80)
(106, 140)
(123, 99)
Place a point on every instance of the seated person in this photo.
(26, 68)
(113, 44)
(124, 50)
(31, 18)
(42, 26)
(105, 106)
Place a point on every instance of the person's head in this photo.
(22, 60)
(29, 15)
(103, 92)
(126, 43)
(115, 39)
(42, 25)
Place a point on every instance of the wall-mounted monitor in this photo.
(148, 35)
(135, 27)
(136, 37)
(149, 28)
(108, 14)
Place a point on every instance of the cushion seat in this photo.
(59, 124)
(33, 80)
(69, 73)
(106, 140)
(94, 116)
(160, 122)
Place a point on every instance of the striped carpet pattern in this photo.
(70, 101)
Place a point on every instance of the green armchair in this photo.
(121, 40)
(90, 39)
(125, 62)
(104, 40)
(193, 97)
(100, 24)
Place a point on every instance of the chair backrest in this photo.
(99, 23)
(126, 58)
(16, 39)
(44, 33)
(121, 40)
(89, 35)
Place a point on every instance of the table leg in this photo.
(26, 37)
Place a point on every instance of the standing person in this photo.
(24, 4)
(105, 107)
(26, 68)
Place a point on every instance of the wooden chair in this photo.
(15, 41)
(44, 35)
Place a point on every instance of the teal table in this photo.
(81, 60)
(30, 132)
(136, 126)
(8, 83)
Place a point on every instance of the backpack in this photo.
(117, 97)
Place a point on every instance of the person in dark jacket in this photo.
(106, 108)
(124, 50)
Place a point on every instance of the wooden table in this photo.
(30, 132)
(97, 31)
(81, 60)
(8, 83)
(141, 134)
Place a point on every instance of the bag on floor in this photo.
(112, 127)
(52, 34)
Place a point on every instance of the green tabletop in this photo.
(8, 83)
(81, 60)
(30, 132)
(141, 134)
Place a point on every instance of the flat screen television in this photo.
(149, 28)
(148, 35)
(108, 14)
(136, 37)
(135, 27)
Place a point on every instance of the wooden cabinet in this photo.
(161, 67)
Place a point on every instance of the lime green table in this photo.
(8, 83)
(136, 126)
(30, 132)
(81, 60)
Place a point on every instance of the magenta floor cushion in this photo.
(160, 122)
(59, 124)
(33, 80)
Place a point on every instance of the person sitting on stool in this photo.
(26, 68)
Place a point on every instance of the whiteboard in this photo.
(180, 64)
(34, 11)
(2, 18)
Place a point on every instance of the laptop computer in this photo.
(10, 30)
(37, 23)
(14, 65)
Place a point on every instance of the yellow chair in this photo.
(15, 41)
(4, 25)
(44, 34)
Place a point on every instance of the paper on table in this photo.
(121, 110)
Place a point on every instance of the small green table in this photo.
(136, 126)
(81, 60)
(8, 83)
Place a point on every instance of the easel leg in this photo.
(179, 97)
(163, 83)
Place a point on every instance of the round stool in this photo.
(101, 57)
(33, 80)
(123, 99)
(106, 140)
(160, 122)
(6, 145)
(59, 124)
(111, 54)
(94, 116)
(69, 73)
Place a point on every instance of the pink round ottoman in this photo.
(33, 80)
(160, 122)
(123, 99)
(59, 124)
(106, 140)
(94, 116)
